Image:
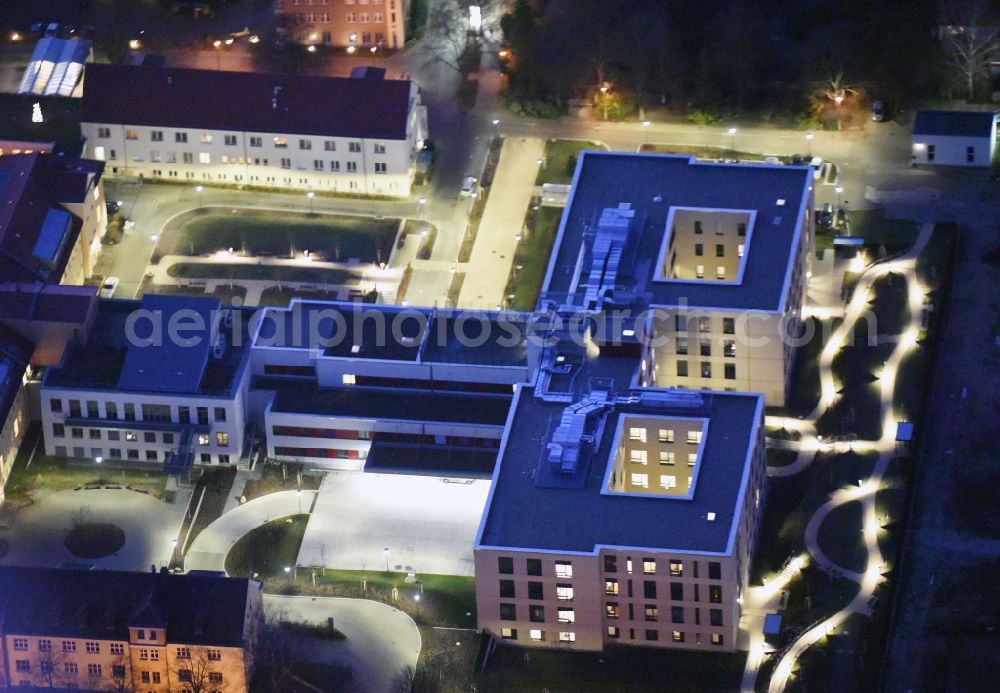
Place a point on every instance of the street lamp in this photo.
(288, 573)
(386, 552)
(311, 195)
(838, 190)
(100, 469)
(298, 496)
(605, 88)
(218, 61)
(496, 127)
(645, 129)
(809, 139)
(732, 138)
(422, 206)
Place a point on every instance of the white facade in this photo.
(344, 165)
(87, 424)
(939, 150)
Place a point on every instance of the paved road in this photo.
(502, 223)
(36, 536)
(381, 640)
(208, 550)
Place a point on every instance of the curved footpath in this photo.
(762, 600)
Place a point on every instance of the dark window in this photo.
(682, 369)
(728, 325)
(92, 410)
(705, 348)
(168, 438)
(534, 566)
(203, 415)
(74, 408)
(714, 571)
(676, 591)
(652, 635)
(697, 227)
(706, 369)
(741, 229)
(610, 563)
(58, 430)
(536, 614)
(930, 152)
(970, 154)
(184, 414)
(130, 412)
(715, 617)
(730, 369)
(149, 437)
(715, 594)
(507, 588)
(95, 434)
(505, 565)
(220, 414)
(677, 614)
(111, 410)
(535, 590)
(699, 249)
(720, 250)
(649, 589)
(56, 405)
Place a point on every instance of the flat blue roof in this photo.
(169, 363)
(954, 123)
(652, 184)
(531, 509)
(55, 227)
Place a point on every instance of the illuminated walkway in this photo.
(766, 599)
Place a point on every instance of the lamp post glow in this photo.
(732, 138)
(809, 139)
(311, 195)
(386, 552)
(100, 469)
(298, 496)
(496, 127)
(645, 129)
(218, 61)
(838, 190)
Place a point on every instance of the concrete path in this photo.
(380, 642)
(37, 533)
(762, 600)
(502, 223)
(209, 549)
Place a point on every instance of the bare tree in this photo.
(81, 517)
(197, 675)
(402, 682)
(50, 667)
(122, 676)
(272, 653)
(449, 39)
(972, 37)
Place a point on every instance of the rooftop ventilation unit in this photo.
(674, 399)
(570, 439)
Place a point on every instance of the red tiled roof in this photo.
(245, 101)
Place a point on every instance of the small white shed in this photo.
(954, 138)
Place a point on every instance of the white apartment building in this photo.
(124, 394)
(321, 134)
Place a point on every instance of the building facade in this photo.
(321, 134)
(954, 138)
(628, 528)
(351, 24)
(108, 630)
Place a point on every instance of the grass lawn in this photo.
(622, 668)
(217, 483)
(333, 237)
(871, 224)
(267, 549)
(840, 537)
(94, 540)
(59, 474)
(284, 273)
(532, 256)
(792, 500)
(889, 301)
(274, 479)
(708, 152)
(804, 397)
(560, 160)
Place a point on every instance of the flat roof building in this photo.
(326, 134)
(711, 256)
(620, 514)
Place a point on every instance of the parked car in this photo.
(112, 206)
(108, 287)
(878, 111)
(825, 217)
(469, 186)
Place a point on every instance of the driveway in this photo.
(37, 533)
(208, 550)
(381, 640)
(428, 525)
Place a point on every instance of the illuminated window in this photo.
(564, 569)
(637, 434)
(640, 480)
(564, 592)
(280, 143)
(565, 636)
(666, 457)
(348, 379)
(648, 566)
(566, 615)
(694, 437)
(676, 568)
(637, 456)
(692, 458)
(222, 439)
(536, 635)
(677, 636)
(202, 439)
(508, 633)
(611, 586)
(668, 481)
(666, 435)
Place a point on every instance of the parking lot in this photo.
(427, 524)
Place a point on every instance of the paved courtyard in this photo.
(37, 532)
(381, 640)
(427, 524)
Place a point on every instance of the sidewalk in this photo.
(502, 222)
